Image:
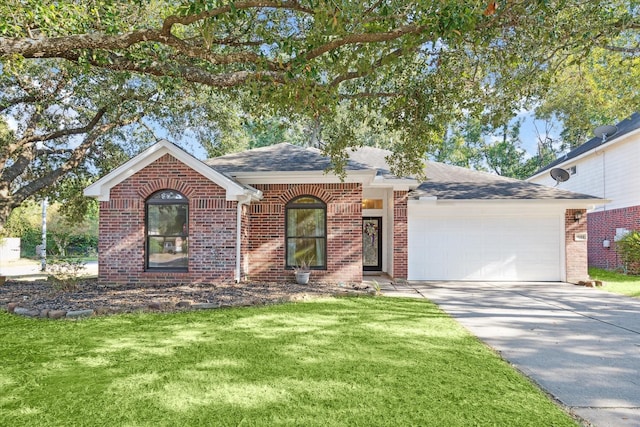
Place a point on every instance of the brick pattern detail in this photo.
(212, 227)
(266, 250)
(305, 189)
(400, 237)
(575, 251)
(601, 226)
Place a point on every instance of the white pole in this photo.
(238, 272)
(43, 252)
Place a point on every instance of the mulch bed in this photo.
(89, 298)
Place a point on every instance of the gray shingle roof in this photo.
(456, 183)
(373, 157)
(627, 125)
(277, 158)
(443, 181)
(447, 182)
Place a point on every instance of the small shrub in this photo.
(629, 250)
(376, 287)
(65, 275)
(29, 239)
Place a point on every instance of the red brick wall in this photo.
(212, 227)
(576, 251)
(601, 226)
(344, 231)
(400, 238)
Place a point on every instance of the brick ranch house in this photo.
(167, 217)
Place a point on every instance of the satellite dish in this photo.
(605, 131)
(559, 175)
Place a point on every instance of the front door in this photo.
(371, 243)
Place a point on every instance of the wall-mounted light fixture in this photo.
(577, 216)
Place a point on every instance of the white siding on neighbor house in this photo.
(501, 243)
(611, 172)
(9, 248)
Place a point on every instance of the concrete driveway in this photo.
(24, 269)
(581, 345)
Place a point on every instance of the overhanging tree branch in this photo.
(358, 74)
(75, 159)
(54, 46)
(28, 142)
(193, 18)
(188, 73)
(8, 103)
(66, 132)
(301, 57)
(631, 50)
(364, 38)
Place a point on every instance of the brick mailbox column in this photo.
(575, 221)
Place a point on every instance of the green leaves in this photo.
(416, 66)
(629, 249)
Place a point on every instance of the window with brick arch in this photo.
(167, 245)
(306, 233)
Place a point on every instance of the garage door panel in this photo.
(487, 247)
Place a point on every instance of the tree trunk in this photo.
(61, 244)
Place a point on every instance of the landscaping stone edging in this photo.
(156, 306)
(591, 283)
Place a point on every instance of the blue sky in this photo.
(530, 131)
(533, 129)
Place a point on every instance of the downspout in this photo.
(246, 201)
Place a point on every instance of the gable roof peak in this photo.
(101, 189)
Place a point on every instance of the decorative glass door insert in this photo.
(371, 243)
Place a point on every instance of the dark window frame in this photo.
(156, 199)
(292, 205)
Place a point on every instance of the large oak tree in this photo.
(64, 124)
(601, 90)
(420, 65)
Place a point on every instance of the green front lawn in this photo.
(617, 282)
(335, 362)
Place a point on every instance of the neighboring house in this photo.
(609, 169)
(167, 217)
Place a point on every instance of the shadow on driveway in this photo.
(581, 345)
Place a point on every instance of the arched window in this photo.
(167, 220)
(306, 232)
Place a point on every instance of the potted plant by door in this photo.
(302, 272)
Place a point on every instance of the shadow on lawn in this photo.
(365, 361)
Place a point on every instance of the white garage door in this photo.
(483, 246)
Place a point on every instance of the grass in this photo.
(617, 282)
(335, 362)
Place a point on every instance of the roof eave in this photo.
(398, 184)
(588, 203)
